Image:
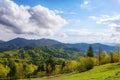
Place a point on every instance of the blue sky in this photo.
(69, 21)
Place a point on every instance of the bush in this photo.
(89, 64)
(105, 60)
(114, 57)
(70, 66)
(85, 63)
(57, 69)
(81, 64)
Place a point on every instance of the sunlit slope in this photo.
(103, 72)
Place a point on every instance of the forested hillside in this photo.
(41, 61)
(34, 52)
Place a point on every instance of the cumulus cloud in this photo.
(20, 19)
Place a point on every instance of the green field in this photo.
(103, 72)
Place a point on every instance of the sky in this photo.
(68, 21)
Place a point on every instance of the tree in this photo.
(4, 70)
(99, 56)
(12, 73)
(111, 56)
(71, 66)
(104, 57)
(29, 69)
(104, 54)
(50, 64)
(90, 52)
(118, 50)
(114, 57)
(63, 64)
(19, 71)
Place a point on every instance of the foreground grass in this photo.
(103, 72)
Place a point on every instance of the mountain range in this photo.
(1, 41)
(21, 42)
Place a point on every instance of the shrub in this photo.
(89, 64)
(57, 69)
(70, 66)
(104, 58)
(114, 57)
(85, 63)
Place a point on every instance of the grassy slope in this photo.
(103, 72)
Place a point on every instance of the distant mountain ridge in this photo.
(2, 41)
(21, 42)
(39, 42)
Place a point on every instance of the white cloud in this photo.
(86, 4)
(65, 12)
(37, 20)
(92, 17)
(90, 36)
(112, 21)
(63, 35)
(82, 32)
(106, 19)
(58, 12)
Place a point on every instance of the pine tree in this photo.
(90, 52)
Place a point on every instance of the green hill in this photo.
(103, 72)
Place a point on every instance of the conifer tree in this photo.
(90, 52)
